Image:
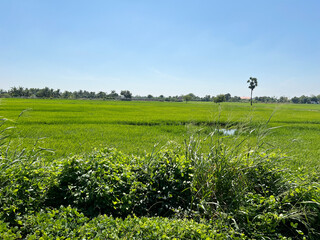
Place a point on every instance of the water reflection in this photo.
(227, 132)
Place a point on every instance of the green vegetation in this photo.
(198, 183)
(74, 126)
(49, 93)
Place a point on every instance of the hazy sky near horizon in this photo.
(168, 47)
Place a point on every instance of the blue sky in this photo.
(168, 47)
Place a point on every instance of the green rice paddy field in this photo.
(77, 126)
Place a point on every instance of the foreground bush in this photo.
(67, 222)
(109, 182)
(247, 189)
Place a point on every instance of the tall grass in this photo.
(248, 185)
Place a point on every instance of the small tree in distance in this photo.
(187, 98)
(253, 82)
(127, 94)
(219, 98)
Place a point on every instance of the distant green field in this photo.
(74, 126)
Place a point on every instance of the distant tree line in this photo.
(20, 92)
(52, 93)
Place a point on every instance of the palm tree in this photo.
(253, 82)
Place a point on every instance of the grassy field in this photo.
(74, 126)
(188, 192)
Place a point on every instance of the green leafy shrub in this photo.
(62, 223)
(169, 178)
(24, 181)
(104, 182)
(7, 232)
(68, 223)
(109, 182)
(104, 227)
